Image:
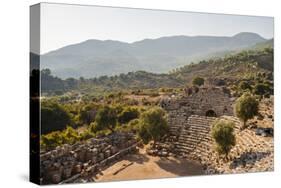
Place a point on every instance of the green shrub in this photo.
(106, 118)
(53, 117)
(246, 107)
(57, 138)
(262, 89)
(51, 140)
(153, 125)
(198, 81)
(70, 136)
(87, 134)
(223, 134)
(128, 114)
(245, 86)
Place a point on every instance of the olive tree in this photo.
(153, 125)
(223, 134)
(106, 118)
(246, 107)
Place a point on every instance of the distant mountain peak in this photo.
(245, 35)
(93, 57)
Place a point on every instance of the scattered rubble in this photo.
(72, 163)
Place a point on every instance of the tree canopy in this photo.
(106, 118)
(198, 81)
(246, 107)
(153, 125)
(53, 117)
(223, 134)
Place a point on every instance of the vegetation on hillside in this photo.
(79, 109)
(246, 65)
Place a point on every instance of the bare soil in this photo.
(142, 166)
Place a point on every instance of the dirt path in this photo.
(143, 166)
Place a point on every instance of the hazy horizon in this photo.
(63, 24)
(148, 39)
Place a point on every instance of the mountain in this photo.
(232, 68)
(93, 58)
(265, 44)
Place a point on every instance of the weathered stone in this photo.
(107, 153)
(77, 169)
(101, 156)
(82, 158)
(67, 173)
(56, 178)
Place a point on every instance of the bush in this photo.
(57, 138)
(70, 136)
(106, 118)
(132, 126)
(245, 86)
(53, 117)
(51, 140)
(223, 134)
(87, 113)
(262, 89)
(128, 114)
(87, 134)
(198, 81)
(153, 125)
(246, 107)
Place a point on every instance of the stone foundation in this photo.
(69, 162)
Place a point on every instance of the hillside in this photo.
(245, 64)
(236, 66)
(265, 44)
(94, 58)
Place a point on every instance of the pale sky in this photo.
(62, 25)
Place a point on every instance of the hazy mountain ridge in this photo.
(233, 67)
(94, 58)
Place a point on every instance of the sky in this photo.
(62, 25)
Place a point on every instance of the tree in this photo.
(198, 81)
(246, 107)
(128, 114)
(223, 134)
(262, 89)
(153, 125)
(245, 86)
(54, 117)
(87, 113)
(106, 118)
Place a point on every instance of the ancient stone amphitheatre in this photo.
(124, 96)
(187, 149)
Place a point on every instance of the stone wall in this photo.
(69, 162)
(202, 101)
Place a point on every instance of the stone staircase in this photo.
(197, 131)
(177, 122)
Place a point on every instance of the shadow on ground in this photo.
(181, 167)
(248, 158)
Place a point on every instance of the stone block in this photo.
(67, 172)
(56, 178)
(107, 153)
(77, 169)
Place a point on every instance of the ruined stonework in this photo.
(68, 163)
(190, 134)
(203, 101)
